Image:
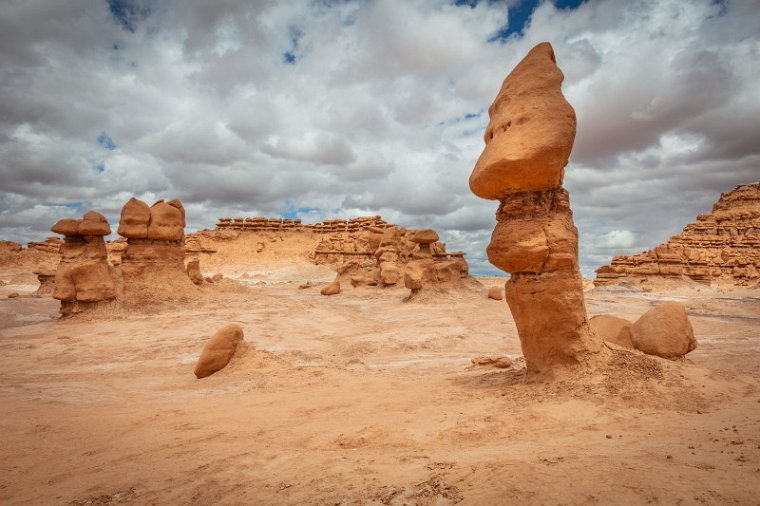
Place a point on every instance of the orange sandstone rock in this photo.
(135, 217)
(495, 293)
(612, 329)
(531, 132)
(219, 350)
(664, 331)
(166, 222)
(194, 272)
(528, 142)
(331, 289)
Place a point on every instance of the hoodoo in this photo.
(528, 142)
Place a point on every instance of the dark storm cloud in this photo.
(365, 107)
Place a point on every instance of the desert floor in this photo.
(362, 398)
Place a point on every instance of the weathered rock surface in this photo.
(331, 288)
(46, 277)
(531, 132)
(365, 251)
(664, 331)
(528, 142)
(83, 275)
(153, 260)
(612, 329)
(495, 293)
(720, 247)
(219, 350)
(194, 272)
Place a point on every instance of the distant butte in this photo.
(721, 247)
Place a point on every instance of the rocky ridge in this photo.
(721, 247)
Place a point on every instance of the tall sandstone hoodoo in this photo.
(528, 143)
(720, 247)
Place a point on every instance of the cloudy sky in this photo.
(321, 109)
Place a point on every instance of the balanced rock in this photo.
(219, 350)
(612, 329)
(331, 289)
(664, 331)
(531, 132)
(528, 142)
(495, 293)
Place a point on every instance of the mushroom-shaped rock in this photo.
(67, 226)
(135, 217)
(612, 329)
(664, 331)
(495, 293)
(194, 272)
(331, 289)
(390, 274)
(425, 236)
(165, 222)
(94, 223)
(219, 350)
(531, 132)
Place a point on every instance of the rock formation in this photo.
(46, 277)
(219, 350)
(720, 247)
(153, 261)
(495, 293)
(83, 276)
(664, 331)
(528, 142)
(612, 329)
(364, 251)
(194, 272)
(331, 288)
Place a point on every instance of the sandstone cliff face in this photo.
(720, 247)
(528, 142)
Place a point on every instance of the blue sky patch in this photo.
(289, 56)
(128, 13)
(520, 14)
(106, 142)
(302, 210)
(101, 167)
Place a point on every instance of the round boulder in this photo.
(612, 329)
(664, 331)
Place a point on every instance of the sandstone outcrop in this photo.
(364, 251)
(612, 329)
(528, 142)
(83, 276)
(153, 260)
(664, 331)
(720, 247)
(219, 350)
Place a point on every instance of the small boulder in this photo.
(331, 289)
(13, 295)
(219, 350)
(217, 277)
(194, 272)
(612, 329)
(495, 293)
(305, 285)
(664, 331)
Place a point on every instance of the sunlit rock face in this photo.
(528, 142)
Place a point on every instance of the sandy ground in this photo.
(361, 398)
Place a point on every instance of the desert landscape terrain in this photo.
(364, 399)
(148, 359)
